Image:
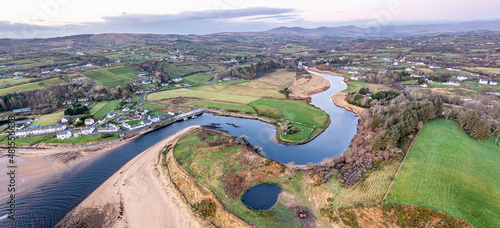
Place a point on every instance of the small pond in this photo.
(262, 196)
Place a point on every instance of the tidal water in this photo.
(49, 203)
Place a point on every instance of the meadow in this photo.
(11, 81)
(449, 171)
(354, 87)
(109, 107)
(225, 106)
(48, 120)
(199, 78)
(20, 88)
(175, 70)
(113, 77)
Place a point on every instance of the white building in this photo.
(354, 78)
(453, 83)
(111, 128)
(154, 118)
(89, 121)
(63, 135)
(87, 130)
(111, 115)
(40, 130)
(462, 78)
(483, 81)
(146, 122)
(64, 119)
(493, 83)
(126, 109)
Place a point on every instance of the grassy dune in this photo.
(447, 170)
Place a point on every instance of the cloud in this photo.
(207, 15)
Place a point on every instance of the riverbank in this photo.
(135, 196)
(339, 100)
(346, 80)
(38, 165)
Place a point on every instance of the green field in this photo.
(97, 107)
(199, 78)
(449, 171)
(292, 48)
(109, 107)
(225, 106)
(209, 165)
(28, 140)
(304, 133)
(49, 119)
(6, 81)
(82, 139)
(113, 77)
(354, 87)
(488, 70)
(175, 70)
(293, 110)
(21, 88)
(53, 81)
(191, 92)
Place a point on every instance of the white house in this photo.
(87, 130)
(354, 78)
(154, 118)
(462, 78)
(111, 115)
(89, 121)
(40, 130)
(64, 119)
(493, 83)
(483, 81)
(126, 109)
(177, 79)
(146, 122)
(63, 135)
(453, 83)
(111, 128)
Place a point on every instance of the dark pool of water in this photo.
(48, 204)
(262, 196)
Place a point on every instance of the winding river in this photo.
(46, 205)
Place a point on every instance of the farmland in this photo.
(225, 106)
(199, 78)
(20, 88)
(109, 107)
(113, 77)
(6, 81)
(49, 119)
(449, 171)
(175, 70)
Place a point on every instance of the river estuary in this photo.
(48, 204)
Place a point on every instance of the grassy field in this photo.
(292, 48)
(304, 132)
(354, 87)
(109, 107)
(97, 107)
(6, 81)
(225, 106)
(201, 94)
(175, 70)
(82, 139)
(28, 140)
(20, 88)
(487, 70)
(293, 110)
(199, 78)
(53, 81)
(113, 77)
(153, 108)
(49, 119)
(209, 165)
(447, 170)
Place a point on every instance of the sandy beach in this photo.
(135, 196)
(37, 166)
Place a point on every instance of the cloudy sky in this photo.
(48, 18)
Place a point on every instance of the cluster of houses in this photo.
(67, 134)
(487, 82)
(151, 119)
(37, 130)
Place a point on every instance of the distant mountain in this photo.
(391, 30)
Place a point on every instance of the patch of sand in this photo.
(135, 196)
(303, 88)
(339, 100)
(36, 166)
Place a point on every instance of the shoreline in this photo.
(136, 195)
(36, 166)
(346, 80)
(339, 100)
